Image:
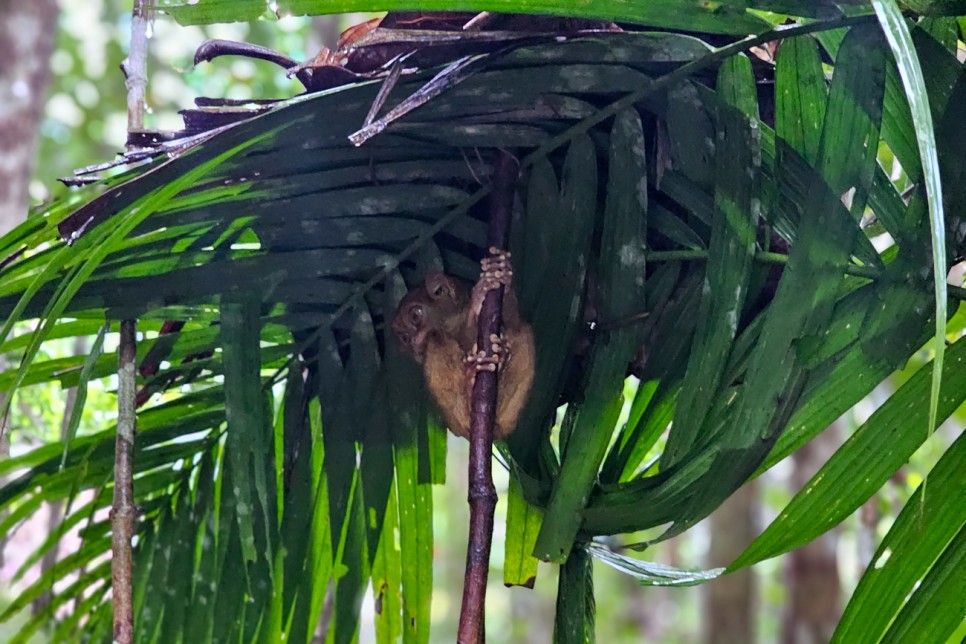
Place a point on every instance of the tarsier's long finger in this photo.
(497, 270)
(496, 259)
(480, 361)
(500, 346)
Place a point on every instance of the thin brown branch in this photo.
(123, 509)
(482, 494)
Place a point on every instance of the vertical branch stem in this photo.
(123, 509)
(135, 67)
(482, 494)
(574, 621)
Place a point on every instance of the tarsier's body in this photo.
(437, 324)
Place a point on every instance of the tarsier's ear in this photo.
(439, 285)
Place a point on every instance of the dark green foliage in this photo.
(285, 250)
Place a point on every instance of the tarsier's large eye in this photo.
(416, 315)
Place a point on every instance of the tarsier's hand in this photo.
(496, 272)
(477, 360)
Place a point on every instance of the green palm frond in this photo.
(704, 215)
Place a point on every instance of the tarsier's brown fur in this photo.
(437, 325)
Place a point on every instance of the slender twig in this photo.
(482, 494)
(450, 76)
(478, 21)
(123, 510)
(385, 89)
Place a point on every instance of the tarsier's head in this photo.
(434, 306)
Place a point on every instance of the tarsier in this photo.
(437, 325)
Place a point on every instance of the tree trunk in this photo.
(813, 607)
(731, 601)
(26, 39)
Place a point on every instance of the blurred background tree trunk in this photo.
(814, 590)
(731, 601)
(26, 40)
